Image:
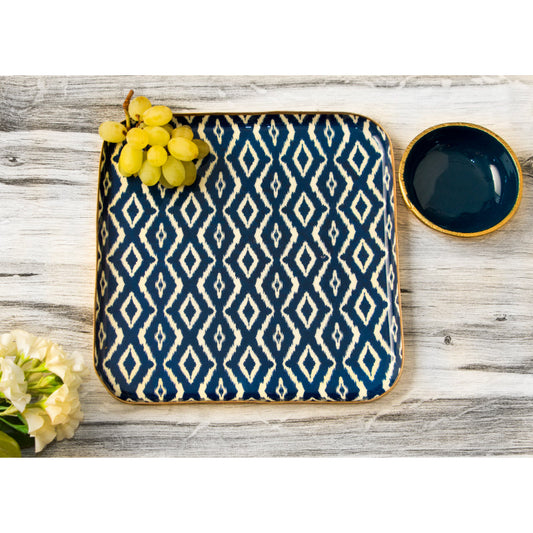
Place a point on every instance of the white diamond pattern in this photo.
(160, 336)
(277, 285)
(249, 205)
(342, 389)
(219, 236)
(219, 286)
(134, 203)
(247, 305)
(307, 315)
(247, 151)
(365, 352)
(305, 262)
(276, 235)
(333, 233)
(281, 390)
(101, 335)
(160, 390)
(104, 234)
(244, 262)
(365, 297)
(243, 366)
(361, 207)
(189, 252)
(278, 337)
(358, 150)
(337, 336)
(220, 185)
(185, 208)
(309, 209)
(129, 353)
(190, 355)
(335, 283)
(131, 251)
(221, 390)
(190, 311)
(363, 261)
(309, 355)
(219, 337)
(161, 235)
(275, 185)
(126, 310)
(107, 183)
(160, 284)
(331, 184)
(329, 133)
(273, 132)
(103, 285)
(218, 130)
(302, 152)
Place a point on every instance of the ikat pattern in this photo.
(273, 278)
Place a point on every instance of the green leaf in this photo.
(19, 435)
(11, 421)
(8, 446)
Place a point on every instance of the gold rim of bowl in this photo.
(428, 222)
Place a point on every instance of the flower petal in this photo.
(66, 430)
(8, 345)
(13, 384)
(39, 426)
(60, 404)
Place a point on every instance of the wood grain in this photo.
(467, 385)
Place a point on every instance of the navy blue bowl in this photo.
(461, 179)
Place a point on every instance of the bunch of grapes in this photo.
(155, 150)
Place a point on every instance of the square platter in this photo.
(273, 278)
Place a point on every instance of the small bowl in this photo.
(461, 179)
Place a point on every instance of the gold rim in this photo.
(428, 222)
(221, 402)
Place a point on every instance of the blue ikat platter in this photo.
(273, 278)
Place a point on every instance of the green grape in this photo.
(165, 183)
(190, 172)
(182, 149)
(157, 155)
(123, 173)
(138, 138)
(203, 148)
(182, 131)
(138, 106)
(9, 447)
(174, 171)
(157, 115)
(157, 135)
(130, 160)
(168, 128)
(112, 132)
(149, 173)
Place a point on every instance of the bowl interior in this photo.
(461, 179)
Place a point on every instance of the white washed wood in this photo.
(467, 385)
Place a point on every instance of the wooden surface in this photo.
(467, 385)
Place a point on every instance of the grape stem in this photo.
(125, 105)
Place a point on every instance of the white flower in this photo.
(28, 364)
(39, 426)
(12, 383)
(60, 404)
(66, 430)
(69, 369)
(29, 345)
(8, 345)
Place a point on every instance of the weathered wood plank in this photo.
(412, 428)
